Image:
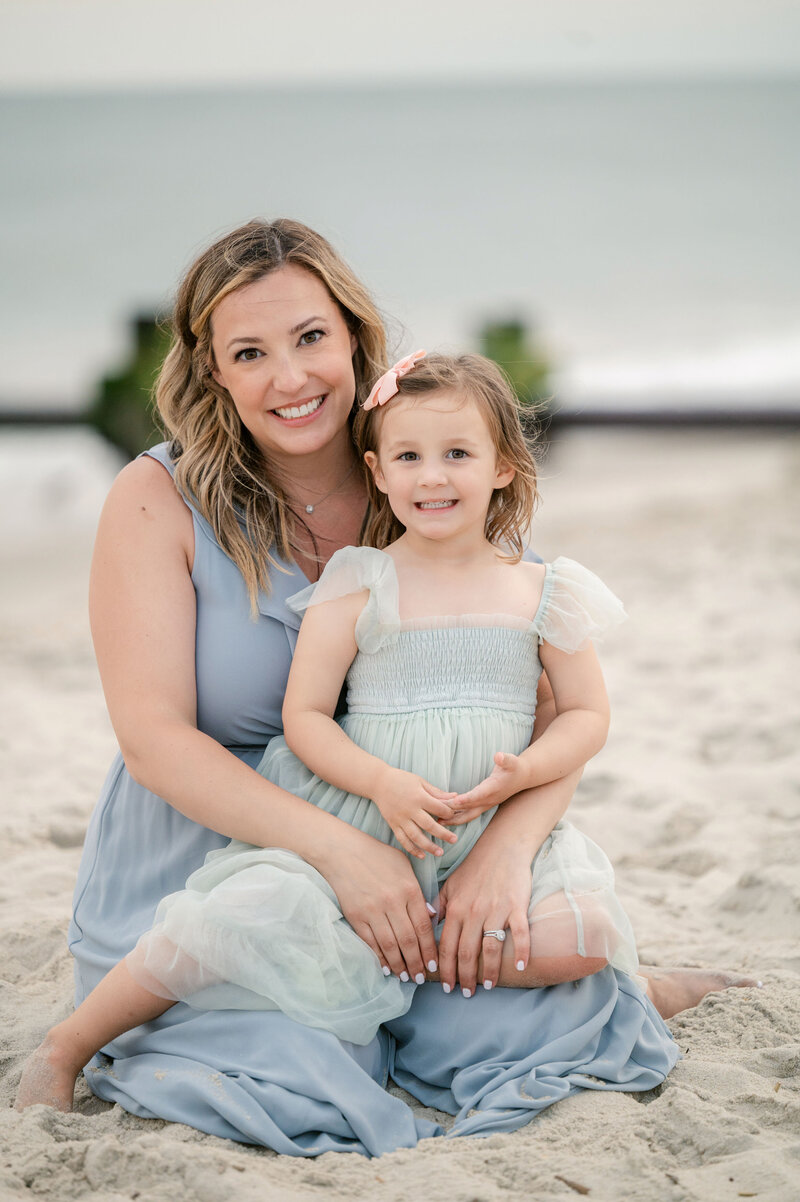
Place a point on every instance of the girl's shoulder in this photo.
(575, 606)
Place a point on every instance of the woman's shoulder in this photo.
(143, 499)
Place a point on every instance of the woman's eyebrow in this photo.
(302, 324)
(249, 339)
(256, 338)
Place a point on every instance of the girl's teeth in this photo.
(300, 410)
(434, 504)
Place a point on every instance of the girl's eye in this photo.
(457, 453)
(407, 456)
(248, 354)
(310, 337)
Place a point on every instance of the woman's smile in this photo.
(298, 413)
(284, 354)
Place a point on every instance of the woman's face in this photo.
(284, 353)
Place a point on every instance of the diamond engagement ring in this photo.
(499, 935)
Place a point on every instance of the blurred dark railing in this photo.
(122, 409)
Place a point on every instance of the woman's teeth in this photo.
(300, 410)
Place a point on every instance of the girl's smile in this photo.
(438, 466)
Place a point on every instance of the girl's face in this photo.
(283, 351)
(438, 466)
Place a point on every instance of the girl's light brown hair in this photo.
(219, 467)
(480, 381)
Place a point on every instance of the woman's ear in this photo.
(371, 460)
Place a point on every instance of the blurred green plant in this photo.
(511, 346)
(123, 411)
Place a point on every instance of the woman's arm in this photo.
(142, 609)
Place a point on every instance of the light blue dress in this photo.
(492, 1061)
(259, 928)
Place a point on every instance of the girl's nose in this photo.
(432, 473)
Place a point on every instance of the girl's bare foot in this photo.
(674, 989)
(48, 1078)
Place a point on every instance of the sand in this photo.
(695, 798)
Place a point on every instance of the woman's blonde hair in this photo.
(480, 381)
(219, 467)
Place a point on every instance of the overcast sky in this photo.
(101, 44)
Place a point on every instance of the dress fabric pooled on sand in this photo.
(260, 928)
(258, 1076)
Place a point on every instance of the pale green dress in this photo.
(260, 928)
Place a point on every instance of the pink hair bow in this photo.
(386, 386)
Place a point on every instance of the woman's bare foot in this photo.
(674, 989)
(48, 1078)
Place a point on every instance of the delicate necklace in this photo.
(344, 479)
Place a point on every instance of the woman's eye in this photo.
(248, 354)
(310, 337)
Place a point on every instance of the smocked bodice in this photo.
(447, 667)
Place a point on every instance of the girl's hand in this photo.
(381, 899)
(487, 892)
(411, 806)
(503, 782)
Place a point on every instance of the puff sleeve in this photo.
(576, 606)
(351, 570)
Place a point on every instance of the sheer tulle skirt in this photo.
(259, 928)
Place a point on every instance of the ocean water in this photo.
(648, 231)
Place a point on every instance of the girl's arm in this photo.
(576, 733)
(326, 646)
(142, 608)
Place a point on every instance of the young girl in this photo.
(440, 629)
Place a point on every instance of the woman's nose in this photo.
(288, 374)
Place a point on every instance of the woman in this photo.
(200, 543)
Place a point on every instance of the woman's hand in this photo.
(381, 899)
(506, 778)
(490, 891)
(411, 806)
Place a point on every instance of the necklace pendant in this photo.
(309, 508)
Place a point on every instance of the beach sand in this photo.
(696, 799)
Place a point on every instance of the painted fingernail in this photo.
(387, 972)
(403, 976)
(430, 908)
(520, 965)
(432, 966)
(446, 987)
(467, 992)
(487, 984)
(420, 978)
